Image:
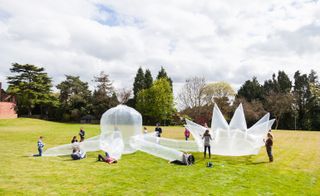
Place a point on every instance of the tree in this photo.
(301, 96)
(281, 84)
(139, 82)
(124, 95)
(253, 110)
(313, 104)
(218, 91)
(74, 97)
(251, 90)
(147, 79)
(278, 99)
(279, 104)
(284, 82)
(156, 103)
(104, 96)
(32, 87)
(163, 74)
(192, 93)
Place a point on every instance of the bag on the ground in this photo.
(209, 164)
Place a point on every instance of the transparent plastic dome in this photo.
(118, 125)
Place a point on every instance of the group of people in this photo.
(77, 153)
(207, 138)
(268, 143)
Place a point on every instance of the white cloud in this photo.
(220, 40)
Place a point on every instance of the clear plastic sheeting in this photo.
(233, 139)
(187, 146)
(121, 133)
(155, 149)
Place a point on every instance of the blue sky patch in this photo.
(112, 17)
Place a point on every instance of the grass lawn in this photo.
(295, 171)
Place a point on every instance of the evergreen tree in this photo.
(301, 95)
(74, 97)
(284, 82)
(163, 74)
(148, 79)
(251, 90)
(313, 104)
(139, 82)
(104, 96)
(32, 87)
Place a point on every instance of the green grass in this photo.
(294, 172)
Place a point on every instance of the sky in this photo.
(223, 40)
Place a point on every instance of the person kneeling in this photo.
(106, 159)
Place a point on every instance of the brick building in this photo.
(7, 105)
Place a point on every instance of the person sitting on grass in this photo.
(40, 147)
(106, 159)
(187, 159)
(77, 153)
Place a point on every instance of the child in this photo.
(81, 134)
(207, 137)
(186, 134)
(40, 147)
(145, 130)
(269, 144)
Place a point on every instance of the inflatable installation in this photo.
(121, 133)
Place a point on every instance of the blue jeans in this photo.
(205, 151)
(40, 151)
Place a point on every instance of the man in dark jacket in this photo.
(158, 130)
(269, 144)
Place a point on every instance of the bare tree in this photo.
(278, 104)
(192, 93)
(124, 95)
(218, 91)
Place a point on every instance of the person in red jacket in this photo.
(186, 134)
(106, 159)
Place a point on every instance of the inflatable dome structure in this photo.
(121, 133)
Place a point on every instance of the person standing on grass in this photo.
(207, 137)
(40, 147)
(81, 134)
(269, 144)
(186, 134)
(158, 130)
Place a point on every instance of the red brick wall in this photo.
(7, 110)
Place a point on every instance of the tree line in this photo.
(295, 104)
(74, 101)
